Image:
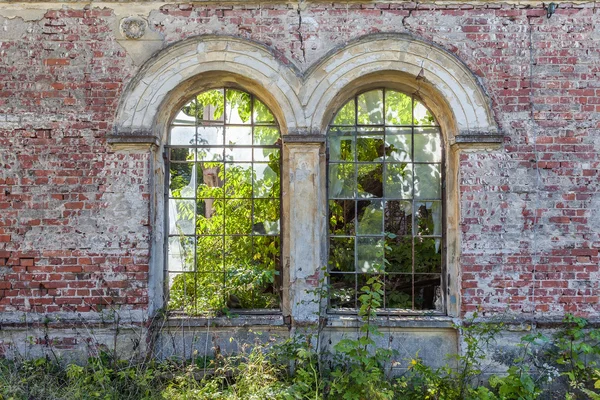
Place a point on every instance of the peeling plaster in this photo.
(34, 11)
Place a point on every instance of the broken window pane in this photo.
(224, 204)
(385, 201)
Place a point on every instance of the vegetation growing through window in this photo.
(562, 367)
(224, 204)
(385, 176)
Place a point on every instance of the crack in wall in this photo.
(299, 30)
(410, 11)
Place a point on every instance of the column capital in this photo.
(299, 138)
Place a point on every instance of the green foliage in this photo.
(519, 381)
(197, 106)
(102, 378)
(298, 370)
(373, 188)
(453, 382)
(361, 375)
(518, 384)
(577, 352)
(232, 261)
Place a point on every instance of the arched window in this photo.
(385, 200)
(223, 204)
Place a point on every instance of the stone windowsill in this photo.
(238, 319)
(393, 321)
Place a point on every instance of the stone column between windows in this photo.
(305, 210)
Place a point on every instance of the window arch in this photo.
(223, 204)
(385, 202)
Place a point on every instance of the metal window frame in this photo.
(167, 162)
(356, 199)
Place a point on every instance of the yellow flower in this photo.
(413, 362)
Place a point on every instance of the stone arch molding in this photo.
(303, 103)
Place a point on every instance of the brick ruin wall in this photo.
(74, 214)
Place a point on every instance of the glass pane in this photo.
(209, 217)
(238, 216)
(428, 294)
(341, 144)
(341, 254)
(262, 114)
(342, 291)
(369, 148)
(209, 106)
(370, 130)
(238, 254)
(346, 115)
(398, 143)
(181, 217)
(428, 183)
(398, 108)
(398, 217)
(266, 181)
(370, 108)
(238, 107)
(428, 257)
(422, 115)
(210, 180)
(266, 217)
(398, 181)
(182, 136)
(210, 253)
(181, 253)
(369, 252)
(428, 147)
(182, 180)
(238, 135)
(238, 154)
(370, 217)
(342, 180)
(399, 254)
(267, 154)
(266, 135)
(429, 218)
(179, 154)
(398, 291)
(370, 180)
(341, 217)
(184, 119)
(210, 135)
(210, 154)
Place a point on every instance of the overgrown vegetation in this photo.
(224, 190)
(300, 369)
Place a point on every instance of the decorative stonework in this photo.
(304, 102)
(133, 27)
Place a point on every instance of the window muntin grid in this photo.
(223, 204)
(385, 192)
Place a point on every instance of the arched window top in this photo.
(385, 192)
(384, 107)
(224, 117)
(224, 201)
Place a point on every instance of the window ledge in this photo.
(238, 320)
(395, 321)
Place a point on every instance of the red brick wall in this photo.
(74, 222)
(65, 245)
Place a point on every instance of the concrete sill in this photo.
(239, 319)
(400, 322)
